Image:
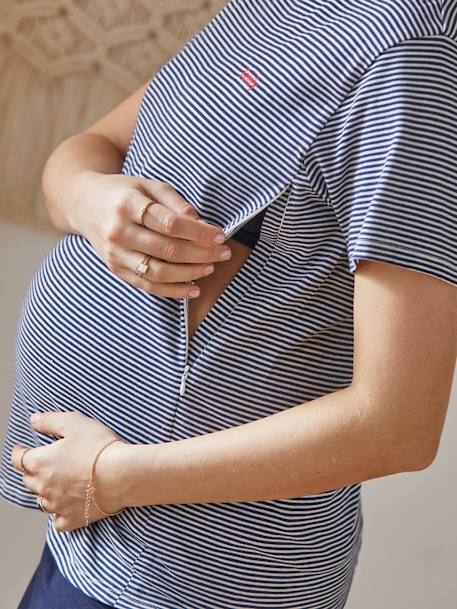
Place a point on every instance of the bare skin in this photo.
(212, 286)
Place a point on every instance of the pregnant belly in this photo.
(212, 286)
(89, 341)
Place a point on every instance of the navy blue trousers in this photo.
(49, 589)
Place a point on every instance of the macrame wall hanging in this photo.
(63, 65)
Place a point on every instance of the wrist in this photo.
(114, 472)
(135, 473)
(135, 466)
(81, 193)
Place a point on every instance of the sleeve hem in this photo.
(406, 257)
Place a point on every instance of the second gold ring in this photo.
(142, 266)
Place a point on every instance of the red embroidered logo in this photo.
(249, 79)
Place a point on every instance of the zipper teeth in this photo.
(186, 300)
(186, 325)
(186, 354)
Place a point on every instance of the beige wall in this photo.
(410, 535)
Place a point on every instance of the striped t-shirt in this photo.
(337, 118)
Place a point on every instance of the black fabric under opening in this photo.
(249, 233)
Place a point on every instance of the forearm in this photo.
(65, 173)
(314, 447)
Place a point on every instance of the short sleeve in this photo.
(386, 161)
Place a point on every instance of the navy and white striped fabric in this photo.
(338, 118)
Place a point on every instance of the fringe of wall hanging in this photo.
(63, 65)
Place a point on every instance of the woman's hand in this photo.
(59, 472)
(181, 244)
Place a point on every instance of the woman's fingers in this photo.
(170, 290)
(137, 238)
(159, 271)
(162, 278)
(159, 217)
(180, 243)
(164, 193)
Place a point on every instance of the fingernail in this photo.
(208, 269)
(219, 238)
(34, 417)
(193, 292)
(225, 254)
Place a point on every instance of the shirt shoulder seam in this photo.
(326, 196)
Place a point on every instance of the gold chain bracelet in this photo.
(90, 488)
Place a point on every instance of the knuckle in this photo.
(170, 251)
(163, 187)
(168, 224)
(115, 232)
(124, 205)
(188, 210)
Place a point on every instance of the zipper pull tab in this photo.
(184, 376)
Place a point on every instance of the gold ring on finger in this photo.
(23, 468)
(144, 210)
(142, 266)
(39, 501)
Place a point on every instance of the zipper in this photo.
(186, 370)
